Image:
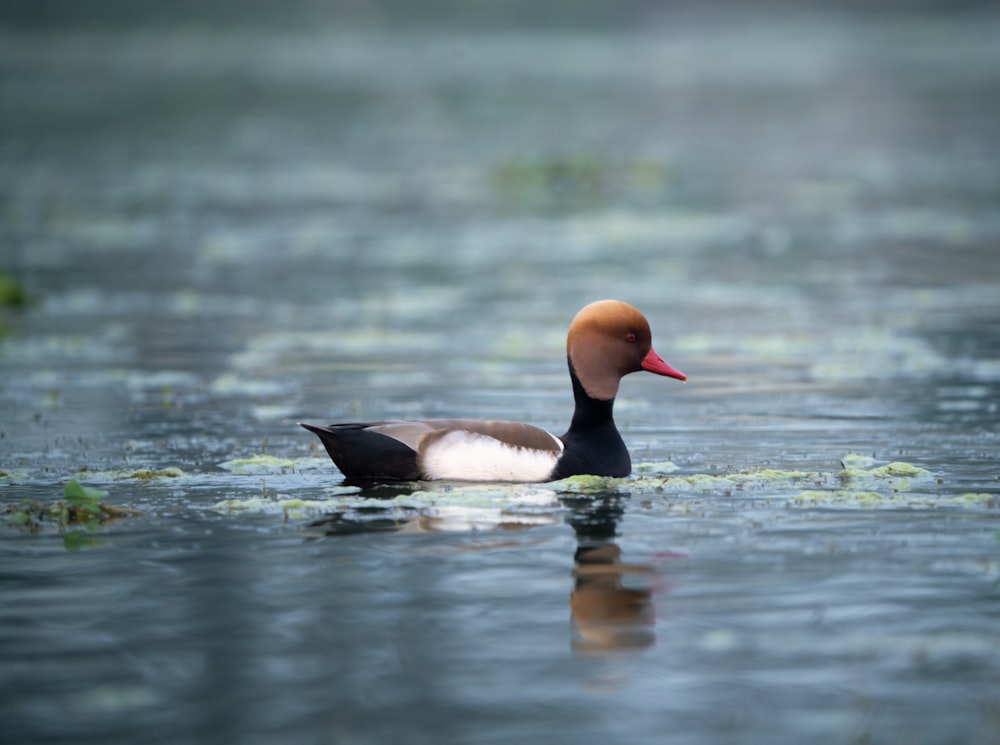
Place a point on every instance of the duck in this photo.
(607, 340)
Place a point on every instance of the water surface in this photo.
(227, 230)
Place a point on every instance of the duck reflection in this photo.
(606, 615)
(606, 612)
(382, 513)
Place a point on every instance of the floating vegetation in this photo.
(420, 497)
(147, 474)
(578, 179)
(82, 507)
(138, 474)
(289, 508)
(268, 464)
(724, 482)
(865, 484)
(862, 481)
(655, 467)
(12, 294)
(861, 466)
(584, 484)
(873, 499)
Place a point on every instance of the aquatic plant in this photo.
(80, 507)
(12, 294)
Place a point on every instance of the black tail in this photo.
(363, 455)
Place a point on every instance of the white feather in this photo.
(468, 456)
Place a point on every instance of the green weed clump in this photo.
(77, 515)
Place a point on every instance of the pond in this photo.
(210, 231)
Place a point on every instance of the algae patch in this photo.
(147, 474)
(861, 469)
(893, 500)
(655, 467)
(138, 474)
(863, 466)
(584, 484)
(992, 500)
(862, 480)
(290, 508)
(865, 484)
(898, 468)
(751, 478)
(269, 464)
(864, 498)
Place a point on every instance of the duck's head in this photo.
(607, 340)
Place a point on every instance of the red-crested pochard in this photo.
(607, 340)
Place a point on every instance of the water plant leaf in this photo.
(20, 518)
(78, 494)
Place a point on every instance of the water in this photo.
(225, 229)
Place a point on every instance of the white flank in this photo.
(469, 456)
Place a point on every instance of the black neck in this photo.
(592, 443)
(589, 412)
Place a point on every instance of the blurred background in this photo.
(282, 200)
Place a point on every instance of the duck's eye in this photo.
(630, 336)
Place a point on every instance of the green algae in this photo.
(584, 484)
(892, 500)
(773, 474)
(137, 474)
(428, 498)
(979, 498)
(656, 467)
(869, 498)
(148, 474)
(853, 461)
(898, 468)
(290, 508)
(862, 468)
(694, 480)
(895, 493)
(745, 478)
(699, 481)
(266, 464)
